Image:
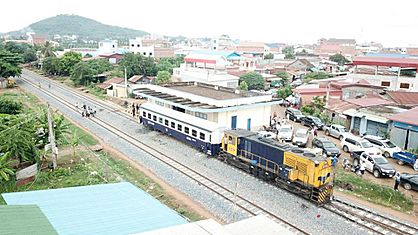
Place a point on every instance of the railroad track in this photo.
(246, 205)
(370, 220)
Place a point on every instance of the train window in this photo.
(231, 140)
(194, 133)
(186, 130)
(154, 117)
(144, 114)
(149, 116)
(179, 127)
(160, 120)
(166, 122)
(202, 136)
(210, 138)
(173, 125)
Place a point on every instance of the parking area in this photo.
(280, 111)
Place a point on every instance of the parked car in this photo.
(336, 131)
(294, 114)
(301, 137)
(386, 146)
(409, 181)
(406, 158)
(267, 134)
(351, 143)
(285, 132)
(329, 148)
(375, 164)
(312, 121)
(296, 83)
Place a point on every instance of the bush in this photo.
(8, 106)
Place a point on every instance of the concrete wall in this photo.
(394, 84)
(259, 116)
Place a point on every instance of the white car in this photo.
(387, 147)
(352, 143)
(285, 132)
(301, 137)
(267, 134)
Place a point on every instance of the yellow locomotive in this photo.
(291, 168)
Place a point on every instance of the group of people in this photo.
(86, 111)
(135, 109)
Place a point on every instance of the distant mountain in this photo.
(80, 26)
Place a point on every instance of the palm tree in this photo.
(47, 50)
(6, 169)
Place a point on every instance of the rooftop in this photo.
(386, 61)
(403, 97)
(119, 208)
(210, 93)
(367, 102)
(408, 117)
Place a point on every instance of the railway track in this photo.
(246, 205)
(370, 220)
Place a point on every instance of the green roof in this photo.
(24, 219)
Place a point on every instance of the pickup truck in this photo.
(336, 131)
(375, 164)
(408, 158)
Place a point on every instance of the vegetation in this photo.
(254, 80)
(47, 50)
(81, 26)
(372, 192)
(284, 92)
(316, 76)
(25, 51)
(269, 56)
(85, 73)
(167, 64)
(137, 64)
(316, 108)
(163, 77)
(284, 76)
(243, 86)
(289, 53)
(9, 64)
(340, 59)
(9, 106)
(63, 65)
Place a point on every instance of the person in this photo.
(49, 85)
(137, 108)
(397, 181)
(346, 163)
(76, 105)
(83, 114)
(362, 168)
(334, 160)
(311, 130)
(39, 84)
(315, 132)
(94, 110)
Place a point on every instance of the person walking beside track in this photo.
(397, 181)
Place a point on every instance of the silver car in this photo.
(301, 137)
(285, 133)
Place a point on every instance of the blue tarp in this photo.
(119, 208)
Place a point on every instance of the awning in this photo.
(367, 116)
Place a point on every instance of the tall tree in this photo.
(289, 53)
(163, 77)
(67, 62)
(284, 76)
(338, 58)
(47, 50)
(254, 80)
(284, 92)
(9, 64)
(51, 65)
(137, 64)
(82, 74)
(243, 86)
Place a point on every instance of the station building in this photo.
(226, 106)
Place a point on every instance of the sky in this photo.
(393, 23)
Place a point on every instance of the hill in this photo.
(81, 26)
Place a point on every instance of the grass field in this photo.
(372, 192)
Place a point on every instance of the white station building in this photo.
(226, 106)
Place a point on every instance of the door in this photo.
(234, 122)
(249, 124)
(369, 164)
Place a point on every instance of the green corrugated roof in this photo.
(24, 219)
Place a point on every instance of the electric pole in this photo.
(54, 149)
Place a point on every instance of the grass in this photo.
(2, 202)
(372, 192)
(85, 138)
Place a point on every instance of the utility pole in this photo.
(54, 149)
(126, 83)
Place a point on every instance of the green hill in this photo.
(81, 26)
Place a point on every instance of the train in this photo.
(287, 166)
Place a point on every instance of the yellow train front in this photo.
(290, 167)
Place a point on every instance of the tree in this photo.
(269, 56)
(9, 64)
(163, 77)
(254, 80)
(82, 74)
(316, 76)
(67, 62)
(47, 50)
(100, 65)
(165, 65)
(284, 76)
(30, 56)
(284, 92)
(289, 53)
(8, 106)
(137, 64)
(243, 86)
(51, 66)
(6, 169)
(338, 58)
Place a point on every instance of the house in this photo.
(141, 79)
(328, 47)
(37, 39)
(231, 56)
(113, 58)
(148, 47)
(404, 98)
(300, 65)
(404, 131)
(114, 87)
(258, 49)
(108, 46)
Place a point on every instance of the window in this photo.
(160, 120)
(179, 127)
(350, 141)
(201, 115)
(149, 115)
(385, 84)
(173, 125)
(159, 103)
(144, 114)
(202, 136)
(186, 130)
(194, 133)
(404, 85)
(166, 122)
(154, 118)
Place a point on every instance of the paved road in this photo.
(279, 201)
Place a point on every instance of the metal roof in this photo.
(24, 219)
(386, 61)
(408, 117)
(119, 208)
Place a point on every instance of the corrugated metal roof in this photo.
(25, 219)
(386, 61)
(119, 208)
(409, 117)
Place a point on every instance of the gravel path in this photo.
(292, 208)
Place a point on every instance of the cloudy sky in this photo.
(394, 23)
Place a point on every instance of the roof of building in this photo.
(24, 219)
(403, 97)
(408, 117)
(367, 102)
(386, 61)
(229, 55)
(108, 83)
(341, 41)
(138, 78)
(203, 58)
(119, 208)
(303, 61)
